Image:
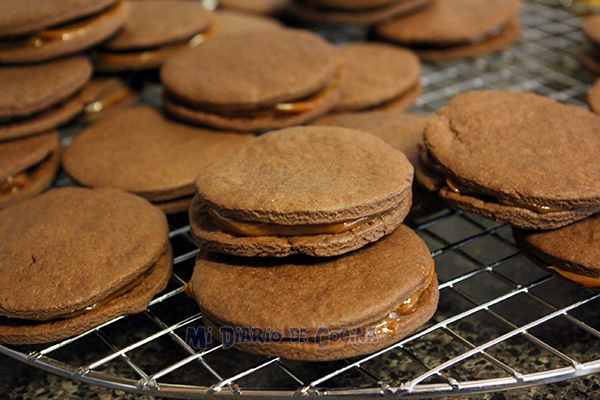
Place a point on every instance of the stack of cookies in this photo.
(303, 229)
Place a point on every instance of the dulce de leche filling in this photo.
(14, 183)
(390, 324)
(587, 281)
(67, 32)
(127, 288)
(250, 228)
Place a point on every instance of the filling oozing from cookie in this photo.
(250, 228)
(282, 109)
(434, 168)
(108, 98)
(66, 32)
(584, 280)
(14, 183)
(154, 56)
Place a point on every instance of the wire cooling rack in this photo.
(502, 322)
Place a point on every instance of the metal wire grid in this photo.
(502, 322)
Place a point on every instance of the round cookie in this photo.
(27, 166)
(140, 151)
(37, 98)
(517, 157)
(301, 190)
(361, 292)
(324, 12)
(377, 75)
(572, 251)
(71, 248)
(594, 97)
(51, 29)
(456, 28)
(590, 55)
(400, 130)
(155, 30)
(259, 80)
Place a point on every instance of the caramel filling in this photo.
(14, 183)
(587, 281)
(456, 188)
(484, 37)
(248, 228)
(390, 324)
(66, 32)
(127, 288)
(153, 56)
(108, 100)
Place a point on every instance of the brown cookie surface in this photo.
(594, 97)
(375, 74)
(33, 88)
(357, 290)
(233, 22)
(262, 7)
(27, 166)
(67, 38)
(572, 248)
(451, 21)
(154, 23)
(87, 243)
(140, 151)
(519, 148)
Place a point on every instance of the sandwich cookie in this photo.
(38, 30)
(27, 166)
(321, 191)
(155, 30)
(571, 251)
(378, 76)
(590, 55)
(72, 259)
(516, 157)
(140, 151)
(400, 130)
(319, 309)
(262, 7)
(259, 80)
(456, 28)
(352, 11)
(37, 98)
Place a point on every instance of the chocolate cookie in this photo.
(38, 30)
(594, 97)
(76, 258)
(400, 130)
(590, 55)
(571, 251)
(155, 30)
(352, 11)
(27, 166)
(262, 7)
(322, 309)
(258, 80)
(517, 157)
(40, 97)
(140, 151)
(456, 28)
(319, 191)
(378, 75)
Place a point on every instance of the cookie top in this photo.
(18, 155)
(140, 151)
(32, 88)
(154, 23)
(18, 17)
(519, 146)
(69, 248)
(451, 21)
(257, 69)
(354, 290)
(307, 175)
(575, 247)
(398, 129)
(591, 28)
(374, 74)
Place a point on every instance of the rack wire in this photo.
(502, 322)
